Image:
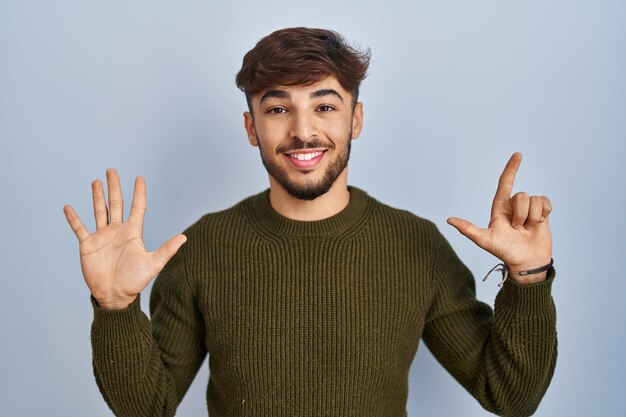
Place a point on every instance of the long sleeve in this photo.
(505, 358)
(320, 318)
(143, 367)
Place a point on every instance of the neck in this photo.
(323, 207)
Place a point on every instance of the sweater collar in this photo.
(270, 221)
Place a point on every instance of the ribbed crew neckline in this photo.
(278, 225)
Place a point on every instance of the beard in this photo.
(308, 189)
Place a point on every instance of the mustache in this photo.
(298, 144)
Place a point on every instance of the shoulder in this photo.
(401, 228)
(401, 219)
(220, 224)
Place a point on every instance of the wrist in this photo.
(528, 279)
(522, 276)
(529, 275)
(114, 303)
(529, 265)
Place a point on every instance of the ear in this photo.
(248, 122)
(357, 120)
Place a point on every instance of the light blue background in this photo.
(454, 88)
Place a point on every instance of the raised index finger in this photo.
(505, 184)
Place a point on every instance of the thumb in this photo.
(164, 253)
(473, 233)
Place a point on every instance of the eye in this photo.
(325, 108)
(276, 110)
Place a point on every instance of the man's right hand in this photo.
(114, 260)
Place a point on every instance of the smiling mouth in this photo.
(305, 156)
(306, 159)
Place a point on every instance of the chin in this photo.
(307, 192)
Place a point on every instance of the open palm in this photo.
(114, 261)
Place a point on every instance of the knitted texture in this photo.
(321, 318)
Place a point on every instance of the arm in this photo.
(142, 368)
(506, 360)
(510, 359)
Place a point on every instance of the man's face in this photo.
(304, 135)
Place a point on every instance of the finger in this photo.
(99, 204)
(535, 211)
(505, 183)
(547, 208)
(472, 232)
(138, 206)
(77, 226)
(116, 202)
(165, 252)
(520, 203)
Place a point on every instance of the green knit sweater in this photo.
(320, 318)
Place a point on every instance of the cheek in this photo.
(264, 137)
(338, 130)
(271, 133)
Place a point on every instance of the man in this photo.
(311, 297)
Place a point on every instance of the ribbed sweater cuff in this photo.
(528, 299)
(115, 324)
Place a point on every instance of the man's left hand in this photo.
(518, 232)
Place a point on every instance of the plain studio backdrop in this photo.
(454, 88)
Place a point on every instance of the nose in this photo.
(303, 126)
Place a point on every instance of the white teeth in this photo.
(304, 156)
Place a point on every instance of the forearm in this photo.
(127, 364)
(521, 353)
(506, 358)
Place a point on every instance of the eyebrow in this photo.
(326, 92)
(282, 94)
(274, 94)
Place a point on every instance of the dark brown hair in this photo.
(302, 56)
